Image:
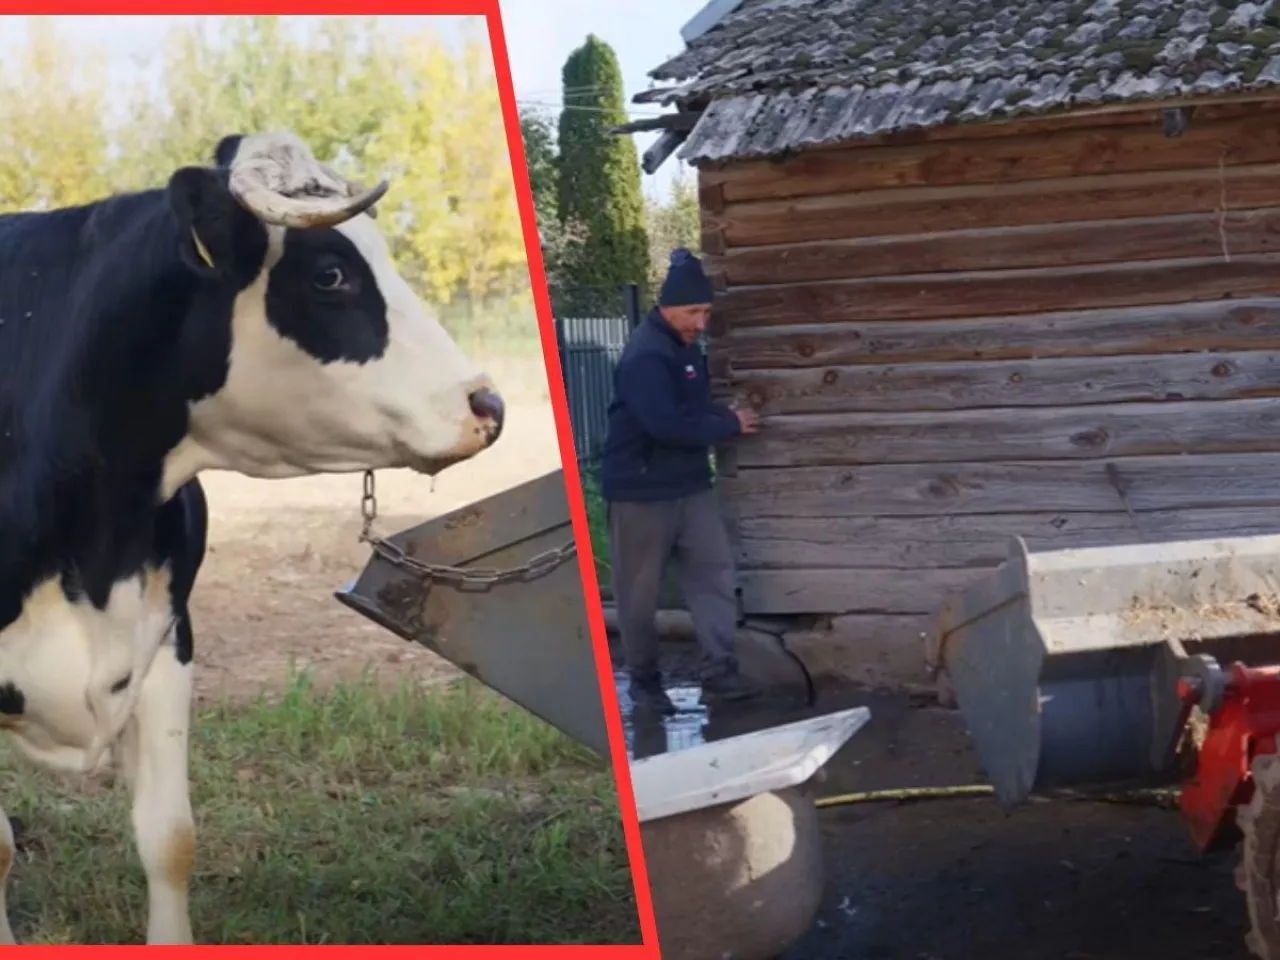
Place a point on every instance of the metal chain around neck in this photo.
(465, 579)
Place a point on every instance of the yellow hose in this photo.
(904, 793)
(980, 790)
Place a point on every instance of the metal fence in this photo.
(592, 326)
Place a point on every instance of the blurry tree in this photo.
(486, 217)
(54, 141)
(370, 99)
(332, 88)
(673, 223)
(457, 226)
(600, 171)
(562, 242)
(539, 139)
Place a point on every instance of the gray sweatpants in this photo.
(643, 536)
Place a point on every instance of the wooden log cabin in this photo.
(986, 269)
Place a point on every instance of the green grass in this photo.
(597, 522)
(510, 328)
(352, 816)
(515, 344)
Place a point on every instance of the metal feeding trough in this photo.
(729, 828)
(490, 587)
(1066, 664)
(1143, 665)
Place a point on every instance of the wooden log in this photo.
(1003, 292)
(1032, 156)
(864, 591)
(713, 242)
(1040, 382)
(1189, 236)
(910, 543)
(669, 624)
(1032, 433)
(924, 489)
(882, 213)
(1246, 324)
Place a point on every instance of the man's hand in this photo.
(748, 420)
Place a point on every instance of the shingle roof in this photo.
(776, 75)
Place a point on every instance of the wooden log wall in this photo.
(950, 339)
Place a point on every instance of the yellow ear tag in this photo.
(200, 249)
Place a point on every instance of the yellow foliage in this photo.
(369, 99)
(53, 134)
(457, 227)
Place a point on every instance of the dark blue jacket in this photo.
(662, 422)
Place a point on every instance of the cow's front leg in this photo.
(156, 762)
(7, 853)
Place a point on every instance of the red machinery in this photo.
(1234, 791)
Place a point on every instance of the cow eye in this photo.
(331, 278)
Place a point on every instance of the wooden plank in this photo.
(816, 591)
(1039, 382)
(933, 489)
(1244, 324)
(1029, 433)
(1004, 292)
(909, 543)
(1031, 156)
(1187, 236)
(879, 213)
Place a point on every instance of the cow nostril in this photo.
(487, 404)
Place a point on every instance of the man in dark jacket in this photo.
(656, 477)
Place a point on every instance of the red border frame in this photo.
(490, 11)
(573, 481)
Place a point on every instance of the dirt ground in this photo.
(279, 548)
(957, 879)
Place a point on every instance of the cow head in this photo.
(334, 364)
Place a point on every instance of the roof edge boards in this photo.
(706, 19)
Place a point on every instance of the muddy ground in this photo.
(958, 879)
(279, 548)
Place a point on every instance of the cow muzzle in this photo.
(489, 411)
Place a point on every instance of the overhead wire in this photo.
(582, 108)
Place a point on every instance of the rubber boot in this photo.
(649, 694)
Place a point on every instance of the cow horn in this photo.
(276, 208)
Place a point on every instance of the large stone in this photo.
(764, 659)
(866, 650)
(740, 881)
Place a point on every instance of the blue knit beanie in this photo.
(686, 284)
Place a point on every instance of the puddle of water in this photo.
(647, 734)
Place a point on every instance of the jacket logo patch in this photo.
(689, 372)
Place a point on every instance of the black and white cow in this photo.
(247, 317)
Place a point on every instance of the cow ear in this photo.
(205, 211)
(225, 152)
